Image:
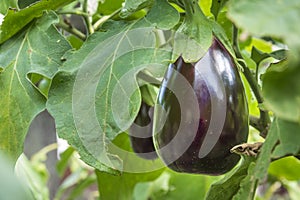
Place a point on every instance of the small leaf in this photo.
(36, 50)
(258, 56)
(131, 6)
(217, 6)
(14, 21)
(286, 168)
(165, 21)
(289, 138)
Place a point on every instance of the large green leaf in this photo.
(284, 100)
(273, 18)
(95, 96)
(36, 50)
(14, 21)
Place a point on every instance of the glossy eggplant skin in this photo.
(141, 133)
(219, 94)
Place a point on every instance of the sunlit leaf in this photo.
(15, 20)
(286, 168)
(36, 50)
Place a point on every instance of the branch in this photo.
(103, 19)
(261, 124)
(87, 19)
(69, 28)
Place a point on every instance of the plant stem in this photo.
(148, 78)
(263, 122)
(69, 28)
(87, 20)
(103, 19)
(73, 12)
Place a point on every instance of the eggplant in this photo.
(201, 113)
(140, 133)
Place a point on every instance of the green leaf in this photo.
(289, 138)
(228, 186)
(186, 186)
(154, 189)
(264, 157)
(24, 3)
(194, 36)
(131, 6)
(14, 21)
(11, 187)
(284, 101)
(37, 183)
(241, 182)
(6, 4)
(272, 18)
(36, 50)
(258, 56)
(217, 6)
(109, 6)
(165, 21)
(286, 168)
(122, 186)
(247, 186)
(62, 164)
(95, 96)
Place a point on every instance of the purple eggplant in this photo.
(141, 133)
(201, 113)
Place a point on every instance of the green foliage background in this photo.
(34, 46)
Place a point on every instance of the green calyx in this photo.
(194, 36)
